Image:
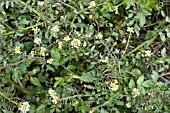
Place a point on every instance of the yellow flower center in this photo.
(136, 91)
(76, 42)
(17, 49)
(24, 106)
(114, 85)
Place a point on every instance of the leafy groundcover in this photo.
(84, 56)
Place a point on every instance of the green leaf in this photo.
(106, 15)
(56, 63)
(107, 103)
(142, 19)
(116, 110)
(147, 83)
(131, 83)
(140, 80)
(155, 76)
(50, 68)
(129, 3)
(55, 54)
(162, 35)
(24, 21)
(84, 108)
(28, 63)
(87, 77)
(136, 72)
(103, 111)
(35, 81)
(167, 19)
(115, 34)
(71, 67)
(2, 17)
(58, 81)
(142, 89)
(40, 109)
(118, 102)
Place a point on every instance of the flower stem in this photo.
(126, 45)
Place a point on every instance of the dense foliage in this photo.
(84, 56)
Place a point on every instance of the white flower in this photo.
(42, 51)
(142, 55)
(52, 93)
(136, 91)
(75, 43)
(130, 30)
(24, 107)
(50, 60)
(92, 4)
(125, 89)
(113, 86)
(105, 60)
(60, 45)
(128, 105)
(41, 3)
(55, 28)
(18, 50)
(66, 38)
(89, 35)
(55, 100)
(124, 41)
(84, 44)
(37, 41)
(36, 30)
(31, 55)
(148, 53)
(117, 12)
(77, 33)
(116, 82)
(99, 36)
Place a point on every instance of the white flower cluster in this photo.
(147, 53)
(42, 51)
(53, 94)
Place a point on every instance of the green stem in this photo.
(70, 97)
(29, 27)
(8, 99)
(120, 4)
(148, 42)
(17, 86)
(69, 6)
(20, 88)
